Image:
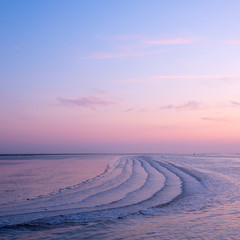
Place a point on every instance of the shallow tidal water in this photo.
(150, 196)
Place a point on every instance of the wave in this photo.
(130, 185)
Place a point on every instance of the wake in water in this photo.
(130, 185)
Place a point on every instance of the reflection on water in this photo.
(27, 176)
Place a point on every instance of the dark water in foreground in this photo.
(120, 197)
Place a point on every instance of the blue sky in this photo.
(77, 76)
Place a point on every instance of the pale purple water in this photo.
(28, 176)
(160, 196)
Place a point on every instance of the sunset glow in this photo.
(119, 76)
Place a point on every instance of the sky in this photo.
(129, 76)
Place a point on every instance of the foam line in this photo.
(131, 184)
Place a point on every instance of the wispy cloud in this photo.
(172, 41)
(191, 105)
(128, 110)
(235, 41)
(196, 77)
(182, 77)
(215, 119)
(235, 104)
(90, 101)
(135, 45)
(141, 110)
(148, 40)
(121, 37)
(122, 54)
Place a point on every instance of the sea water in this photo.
(102, 196)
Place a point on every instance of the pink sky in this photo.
(93, 81)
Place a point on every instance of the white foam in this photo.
(128, 185)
